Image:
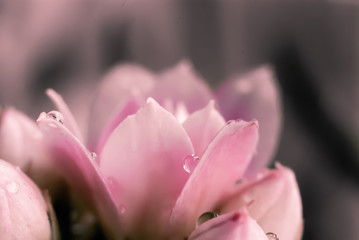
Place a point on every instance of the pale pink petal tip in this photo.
(69, 119)
(255, 95)
(181, 84)
(41, 117)
(23, 212)
(144, 157)
(236, 225)
(202, 126)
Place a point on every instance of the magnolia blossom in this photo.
(160, 161)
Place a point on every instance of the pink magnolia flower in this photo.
(23, 211)
(161, 160)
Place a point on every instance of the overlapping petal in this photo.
(119, 86)
(224, 161)
(21, 143)
(181, 85)
(143, 157)
(23, 213)
(202, 126)
(80, 169)
(254, 95)
(272, 199)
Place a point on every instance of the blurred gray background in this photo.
(312, 45)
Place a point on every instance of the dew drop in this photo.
(12, 187)
(190, 162)
(272, 236)
(93, 156)
(57, 116)
(206, 217)
(231, 121)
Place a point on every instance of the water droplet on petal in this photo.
(190, 162)
(205, 217)
(93, 156)
(231, 121)
(12, 187)
(272, 236)
(57, 116)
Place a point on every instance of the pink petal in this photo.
(69, 120)
(254, 95)
(19, 136)
(130, 108)
(273, 200)
(224, 161)
(287, 210)
(202, 126)
(231, 226)
(181, 84)
(143, 156)
(121, 84)
(22, 208)
(21, 143)
(80, 169)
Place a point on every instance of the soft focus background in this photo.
(313, 47)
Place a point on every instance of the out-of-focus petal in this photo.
(254, 95)
(19, 136)
(80, 169)
(273, 200)
(144, 158)
(21, 143)
(237, 225)
(69, 120)
(130, 108)
(23, 212)
(224, 161)
(181, 84)
(202, 126)
(121, 84)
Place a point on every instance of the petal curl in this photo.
(23, 213)
(143, 156)
(80, 169)
(224, 161)
(254, 95)
(237, 225)
(202, 126)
